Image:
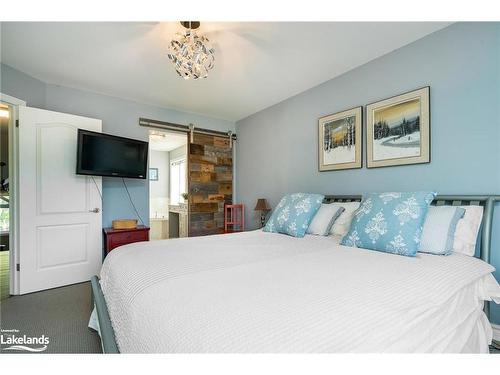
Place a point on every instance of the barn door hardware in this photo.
(191, 132)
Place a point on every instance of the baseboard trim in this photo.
(496, 332)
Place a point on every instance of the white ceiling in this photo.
(166, 141)
(258, 64)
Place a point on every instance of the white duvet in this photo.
(266, 292)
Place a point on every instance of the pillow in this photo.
(343, 223)
(324, 219)
(439, 229)
(294, 213)
(390, 222)
(467, 230)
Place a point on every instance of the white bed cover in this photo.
(266, 292)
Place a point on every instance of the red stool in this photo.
(234, 218)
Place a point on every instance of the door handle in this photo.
(95, 210)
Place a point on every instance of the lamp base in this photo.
(262, 220)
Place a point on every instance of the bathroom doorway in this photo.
(168, 205)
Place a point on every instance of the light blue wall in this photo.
(277, 147)
(22, 86)
(119, 117)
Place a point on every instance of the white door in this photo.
(60, 238)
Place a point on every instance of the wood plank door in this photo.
(210, 183)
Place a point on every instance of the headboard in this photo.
(487, 201)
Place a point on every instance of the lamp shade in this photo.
(262, 205)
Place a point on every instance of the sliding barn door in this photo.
(210, 183)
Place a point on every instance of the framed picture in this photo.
(339, 145)
(398, 130)
(153, 174)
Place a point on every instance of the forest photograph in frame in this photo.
(339, 136)
(398, 130)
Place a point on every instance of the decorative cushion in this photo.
(467, 230)
(324, 219)
(294, 213)
(390, 222)
(439, 229)
(343, 223)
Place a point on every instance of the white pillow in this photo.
(343, 223)
(438, 233)
(324, 219)
(467, 230)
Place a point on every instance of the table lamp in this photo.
(264, 208)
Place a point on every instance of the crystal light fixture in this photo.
(192, 54)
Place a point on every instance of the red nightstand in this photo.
(118, 237)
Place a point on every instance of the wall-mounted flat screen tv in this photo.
(101, 154)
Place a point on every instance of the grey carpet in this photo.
(61, 314)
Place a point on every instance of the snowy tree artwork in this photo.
(398, 130)
(340, 140)
(339, 144)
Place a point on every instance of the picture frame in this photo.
(340, 140)
(153, 174)
(398, 130)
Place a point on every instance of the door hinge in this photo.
(18, 267)
(17, 123)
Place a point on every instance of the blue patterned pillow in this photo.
(294, 214)
(390, 222)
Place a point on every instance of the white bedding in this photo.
(266, 292)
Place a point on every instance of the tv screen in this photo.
(101, 154)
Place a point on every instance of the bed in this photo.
(263, 292)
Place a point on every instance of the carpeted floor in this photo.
(60, 314)
(4, 274)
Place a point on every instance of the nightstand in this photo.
(118, 237)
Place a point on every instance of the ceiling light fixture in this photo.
(192, 54)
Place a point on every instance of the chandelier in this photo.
(192, 55)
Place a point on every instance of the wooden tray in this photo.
(125, 224)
